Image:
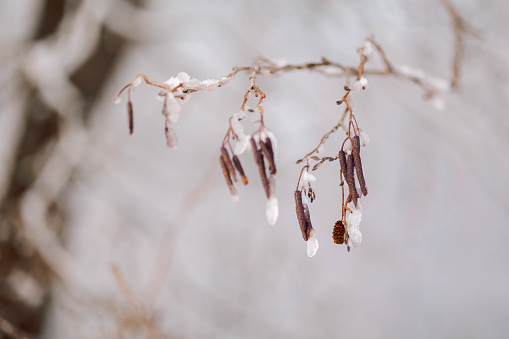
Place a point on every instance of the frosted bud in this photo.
(359, 84)
(117, 100)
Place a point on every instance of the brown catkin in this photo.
(269, 154)
(356, 152)
(130, 116)
(227, 177)
(342, 161)
(238, 167)
(350, 179)
(228, 162)
(261, 168)
(299, 208)
(338, 233)
(309, 226)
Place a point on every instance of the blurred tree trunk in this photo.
(19, 262)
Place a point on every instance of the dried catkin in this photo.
(228, 162)
(350, 179)
(342, 161)
(130, 116)
(261, 168)
(227, 177)
(238, 167)
(269, 154)
(356, 153)
(299, 208)
(309, 226)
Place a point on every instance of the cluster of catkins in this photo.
(303, 194)
(263, 145)
(346, 230)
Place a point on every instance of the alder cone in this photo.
(338, 233)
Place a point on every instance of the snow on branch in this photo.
(263, 144)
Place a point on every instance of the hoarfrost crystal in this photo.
(172, 108)
(272, 210)
(359, 84)
(208, 85)
(364, 138)
(312, 244)
(307, 179)
(352, 223)
(243, 141)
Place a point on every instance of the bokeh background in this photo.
(106, 235)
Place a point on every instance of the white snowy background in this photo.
(433, 260)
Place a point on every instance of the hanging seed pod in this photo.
(350, 179)
(342, 161)
(261, 167)
(356, 153)
(309, 226)
(228, 162)
(267, 150)
(338, 233)
(130, 116)
(301, 217)
(227, 177)
(238, 167)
